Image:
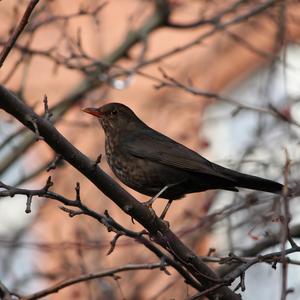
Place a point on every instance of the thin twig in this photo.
(12, 40)
(86, 277)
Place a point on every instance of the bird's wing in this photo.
(157, 147)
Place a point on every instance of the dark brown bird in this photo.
(155, 165)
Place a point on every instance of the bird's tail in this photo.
(252, 182)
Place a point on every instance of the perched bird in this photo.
(155, 165)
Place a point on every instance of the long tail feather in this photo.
(252, 182)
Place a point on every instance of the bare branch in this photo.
(12, 40)
(56, 288)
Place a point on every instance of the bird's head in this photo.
(113, 116)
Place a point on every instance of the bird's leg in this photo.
(162, 216)
(151, 201)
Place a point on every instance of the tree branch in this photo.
(9, 45)
(57, 287)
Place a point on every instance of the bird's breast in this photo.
(142, 175)
(121, 163)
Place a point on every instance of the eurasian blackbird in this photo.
(155, 165)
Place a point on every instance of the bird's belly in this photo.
(148, 177)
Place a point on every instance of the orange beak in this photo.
(92, 111)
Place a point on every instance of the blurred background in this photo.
(221, 77)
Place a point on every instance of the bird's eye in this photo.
(114, 112)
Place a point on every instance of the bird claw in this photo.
(149, 206)
(162, 216)
(167, 223)
(152, 200)
(149, 203)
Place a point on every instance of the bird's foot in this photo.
(167, 223)
(162, 216)
(150, 202)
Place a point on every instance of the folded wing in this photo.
(159, 148)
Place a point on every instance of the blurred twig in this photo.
(10, 43)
